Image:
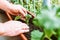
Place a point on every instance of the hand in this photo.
(17, 9)
(13, 28)
(11, 8)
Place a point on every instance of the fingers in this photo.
(24, 31)
(25, 11)
(15, 33)
(25, 28)
(13, 12)
(15, 28)
(22, 12)
(17, 9)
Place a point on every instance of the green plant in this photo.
(49, 20)
(46, 18)
(28, 18)
(31, 5)
(17, 17)
(36, 35)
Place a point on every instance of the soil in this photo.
(32, 27)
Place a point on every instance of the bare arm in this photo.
(4, 4)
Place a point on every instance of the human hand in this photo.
(17, 9)
(12, 8)
(13, 28)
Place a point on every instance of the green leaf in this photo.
(27, 18)
(59, 38)
(17, 17)
(36, 35)
(49, 33)
(58, 11)
(48, 20)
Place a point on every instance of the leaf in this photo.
(58, 12)
(48, 20)
(59, 38)
(36, 35)
(49, 33)
(27, 18)
(17, 17)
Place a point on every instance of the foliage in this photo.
(17, 17)
(49, 20)
(31, 5)
(28, 18)
(46, 18)
(36, 35)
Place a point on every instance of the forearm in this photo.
(4, 4)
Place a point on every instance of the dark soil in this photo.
(32, 27)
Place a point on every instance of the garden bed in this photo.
(46, 23)
(33, 27)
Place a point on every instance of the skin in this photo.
(12, 28)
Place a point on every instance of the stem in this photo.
(18, 1)
(50, 39)
(21, 2)
(34, 6)
(27, 1)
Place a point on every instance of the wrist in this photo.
(5, 5)
(2, 29)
